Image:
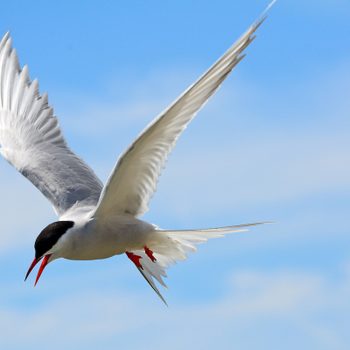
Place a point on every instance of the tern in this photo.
(96, 221)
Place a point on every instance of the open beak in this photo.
(41, 269)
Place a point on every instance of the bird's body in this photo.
(90, 239)
(96, 221)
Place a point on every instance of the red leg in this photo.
(135, 259)
(149, 253)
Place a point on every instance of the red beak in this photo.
(41, 269)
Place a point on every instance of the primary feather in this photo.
(31, 139)
(134, 178)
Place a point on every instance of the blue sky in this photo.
(273, 144)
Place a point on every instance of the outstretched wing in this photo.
(31, 140)
(134, 178)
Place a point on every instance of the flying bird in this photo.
(97, 221)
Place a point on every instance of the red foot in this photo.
(149, 253)
(135, 259)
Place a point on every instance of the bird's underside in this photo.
(31, 140)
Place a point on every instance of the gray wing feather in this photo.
(134, 178)
(31, 140)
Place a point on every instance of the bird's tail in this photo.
(169, 246)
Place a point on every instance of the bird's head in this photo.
(46, 243)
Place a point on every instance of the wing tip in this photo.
(5, 41)
(6, 36)
(264, 14)
(245, 40)
(270, 5)
(256, 224)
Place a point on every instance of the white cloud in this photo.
(295, 302)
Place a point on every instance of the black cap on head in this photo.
(49, 236)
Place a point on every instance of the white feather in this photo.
(31, 140)
(135, 176)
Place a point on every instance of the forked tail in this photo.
(169, 246)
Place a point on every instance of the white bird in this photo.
(96, 221)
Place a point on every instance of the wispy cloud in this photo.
(297, 299)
